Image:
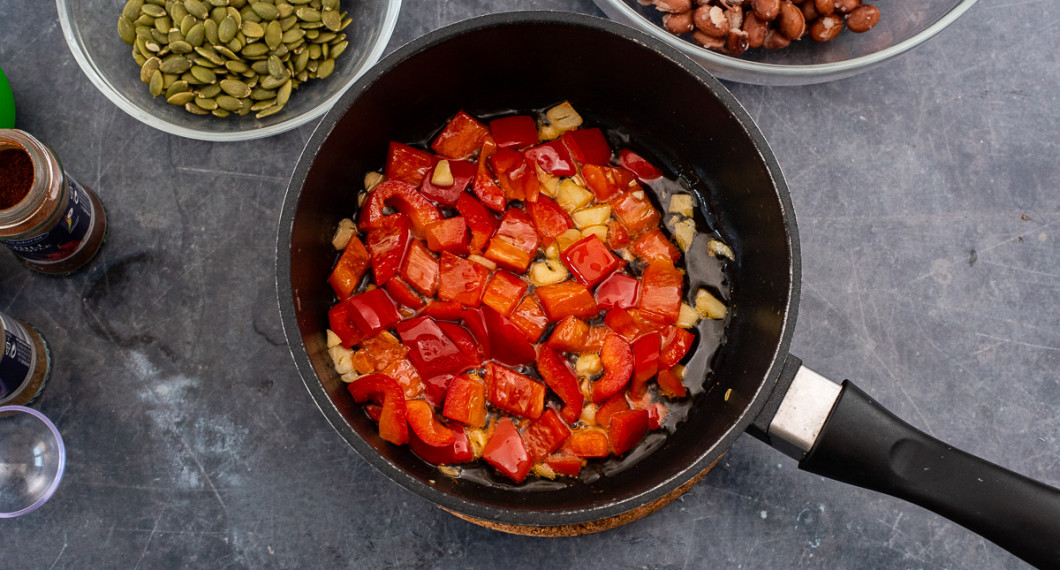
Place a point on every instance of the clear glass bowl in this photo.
(90, 29)
(904, 24)
(32, 460)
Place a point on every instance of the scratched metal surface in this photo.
(926, 192)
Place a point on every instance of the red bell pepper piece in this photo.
(506, 452)
(340, 323)
(567, 298)
(403, 293)
(515, 242)
(378, 352)
(461, 280)
(461, 137)
(407, 164)
(563, 464)
(475, 321)
(588, 146)
(515, 175)
(519, 131)
(617, 359)
(589, 260)
(548, 218)
(457, 452)
(463, 173)
(449, 235)
(479, 220)
(617, 235)
(553, 157)
(465, 401)
(484, 187)
(420, 269)
(661, 288)
(622, 323)
(426, 426)
(653, 245)
(504, 291)
(388, 245)
(515, 393)
(393, 422)
(557, 374)
(627, 429)
(362, 315)
(607, 181)
(431, 351)
(444, 310)
(545, 435)
(635, 210)
(619, 291)
(406, 376)
(403, 197)
(675, 345)
(670, 383)
(572, 334)
(638, 165)
(529, 318)
(510, 346)
(645, 363)
(608, 409)
(350, 268)
(464, 339)
(587, 442)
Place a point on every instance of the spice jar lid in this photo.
(7, 104)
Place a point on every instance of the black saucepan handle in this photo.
(863, 444)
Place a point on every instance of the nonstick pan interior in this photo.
(616, 77)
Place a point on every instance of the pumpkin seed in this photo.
(229, 103)
(283, 94)
(337, 49)
(181, 98)
(195, 35)
(180, 47)
(276, 68)
(235, 88)
(234, 14)
(156, 84)
(218, 14)
(288, 22)
(285, 9)
(227, 29)
(210, 54)
(145, 20)
(307, 14)
(138, 57)
(195, 109)
(272, 82)
(253, 30)
(262, 105)
(203, 74)
(273, 34)
(300, 60)
(293, 35)
(330, 4)
(163, 24)
(149, 68)
(158, 37)
(325, 68)
(177, 87)
(237, 66)
(132, 9)
(175, 63)
(177, 11)
(255, 50)
(204, 103)
(220, 113)
(153, 10)
(332, 20)
(265, 11)
(210, 91)
(259, 94)
(226, 52)
(270, 111)
(169, 79)
(210, 29)
(127, 30)
(218, 3)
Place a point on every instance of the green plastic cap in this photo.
(7, 104)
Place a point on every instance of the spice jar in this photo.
(52, 223)
(25, 363)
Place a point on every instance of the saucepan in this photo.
(677, 113)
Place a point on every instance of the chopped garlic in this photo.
(333, 339)
(478, 439)
(563, 117)
(709, 306)
(718, 248)
(547, 272)
(342, 358)
(371, 180)
(588, 414)
(572, 197)
(549, 183)
(598, 231)
(443, 175)
(487, 263)
(681, 204)
(343, 233)
(688, 317)
(594, 216)
(543, 470)
(552, 251)
(588, 364)
(450, 470)
(684, 233)
(349, 377)
(565, 239)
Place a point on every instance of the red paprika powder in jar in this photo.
(52, 223)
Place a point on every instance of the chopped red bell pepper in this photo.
(465, 340)
(638, 165)
(587, 442)
(435, 388)
(588, 146)
(393, 422)
(403, 197)
(504, 291)
(622, 323)
(519, 131)
(350, 268)
(432, 351)
(619, 291)
(545, 435)
(407, 164)
(475, 321)
(461, 280)
(529, 318)
(463, 173)
(444, 310)
(670, 383)
(617, 234)
(426, 426)
(617, 359)
(589, 260)
(457, 452)
(548, 218)
(406, 376)
(420, 269)
(567, 298)
(378, 352)
(676, 343)
(388, 245)
(403, 293)
(572, 334)
(515, 175)
(506, 452)
(449, 235)
(608, 409)
(491, 195)
(653, 245)
(509, 344)
(515, 242)
(362, 315)
(661, 289)
(557, 374)
(607, 181)
(515, 393)
(563, 464)
(645, 363)
(479, 220)
(461, 137)
(553, 157)
(465, 401)
(635, 210)
(627, 429)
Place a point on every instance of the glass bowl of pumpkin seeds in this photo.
(226, 70)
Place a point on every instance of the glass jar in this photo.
(52, 223)
(25, 363)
